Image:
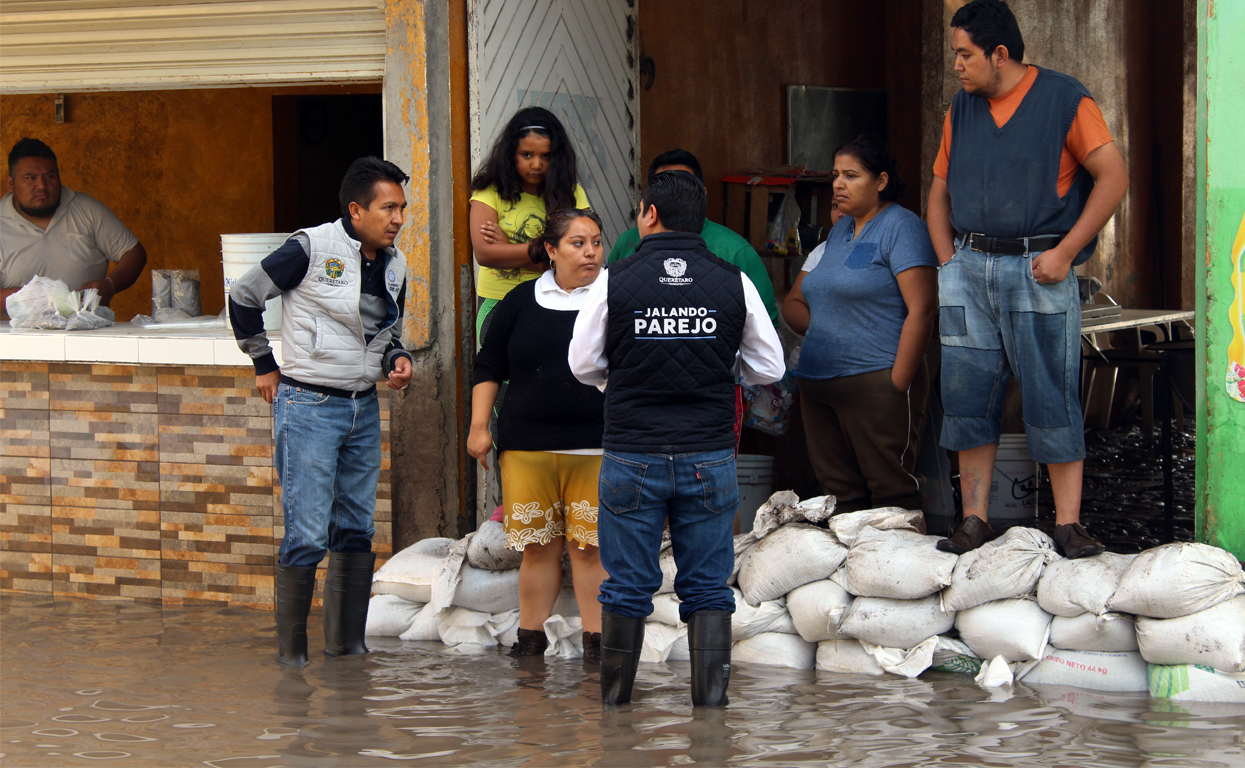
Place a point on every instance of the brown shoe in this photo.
(531, 642)
(1074, 542)
(972, 533)
(592, 647)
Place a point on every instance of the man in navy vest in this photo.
(1026, 177)
(670, 326)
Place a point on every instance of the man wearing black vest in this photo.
(670, 326)
(1026, 177)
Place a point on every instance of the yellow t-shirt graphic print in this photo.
(521, 221)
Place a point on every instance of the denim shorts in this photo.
(996, 320)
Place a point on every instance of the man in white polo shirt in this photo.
(55, 232)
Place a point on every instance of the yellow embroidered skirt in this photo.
(547, 495)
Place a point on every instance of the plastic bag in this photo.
(768, 406)
(784, 232)
(49, 305)
(175, 289)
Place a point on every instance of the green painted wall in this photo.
(1220, 226)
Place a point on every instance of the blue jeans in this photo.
(996, 320)
(328, 461)
(698, 492)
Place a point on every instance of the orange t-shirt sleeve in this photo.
(943, 161)
(1088, 132)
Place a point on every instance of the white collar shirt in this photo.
(550, 295)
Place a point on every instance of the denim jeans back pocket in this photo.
(621, 483)
(721, 485)
(862, 255)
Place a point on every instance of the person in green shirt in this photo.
(722, 242)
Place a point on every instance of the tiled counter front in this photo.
(146, 482)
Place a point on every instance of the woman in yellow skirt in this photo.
(549, 433)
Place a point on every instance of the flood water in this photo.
(126, 684)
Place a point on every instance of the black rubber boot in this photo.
(346, 593)
(295, 587)
(622, 637)
(709, 640)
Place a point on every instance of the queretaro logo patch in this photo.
(334, 268)
(675, 267)
(392, 277)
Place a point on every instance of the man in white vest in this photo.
(342, 287)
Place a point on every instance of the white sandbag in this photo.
(1094, 670)
(996, 673)
(1087, 632)
(897, 563)
(1073, 587)
(906, 662)
(566, 604)
(951, 655)
(775, 649)
(895, 623)
(427, 624)
(566, 637)
(390, 615)
(666, 610)
(659, 640)
(816, 609)
(487, 591)
(680, 650)
(505, 627)
(461, 625)
(488, 550)
(1009, 566)
(1189, 682)
(743, 545)
(790, 557)
(1214, 638)
(665, 561)
(749, 621)
(1178, 579)
(847, 526)
(409, 574)
(840, 577)
(1016, 628)
(846, 657)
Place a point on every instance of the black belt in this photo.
(1009, 246)
(330, 391)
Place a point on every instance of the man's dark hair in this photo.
(680, 200)
(27, 147)
(989, 24)
(876, 158)
(359, 183)
(676, 157)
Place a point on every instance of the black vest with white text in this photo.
(676, 319)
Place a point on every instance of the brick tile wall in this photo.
(152, 483)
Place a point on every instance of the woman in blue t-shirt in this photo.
(866, 301)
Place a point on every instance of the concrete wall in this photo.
(722, 67)
(179, 167)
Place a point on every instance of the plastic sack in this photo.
(409, 574)
(461, 625)
(750, 621)
(390, 615)
(1094, 670)
(895, 623)
(1111, 632)
(666, 609)
(1009, 566)
(899, 564)
(817, 608)
(565, 635)
(1214, 637)
(488, 591)
(846, 656)
(905, 662)
(175, 289)
(488, 550)
(1189, 682)
(783, 235)
(951, 655)
(1177, 580)
(1015, 628)
(659, 640)
(775, 649)
(848, 526)
(45, 304)
(790, 557)
(1073, 587)
(427, 624)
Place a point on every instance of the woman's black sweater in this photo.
(546, 407)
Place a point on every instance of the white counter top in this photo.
(128, 344)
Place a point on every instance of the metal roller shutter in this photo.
(78, 45)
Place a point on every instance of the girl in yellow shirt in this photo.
(530, 170)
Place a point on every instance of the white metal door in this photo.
(77, 45)
(574, 58)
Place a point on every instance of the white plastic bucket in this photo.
(755, 475)
(1014, 487)
(241, 252)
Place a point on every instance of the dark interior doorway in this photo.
(314, 141)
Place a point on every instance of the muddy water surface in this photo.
(111, 683)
